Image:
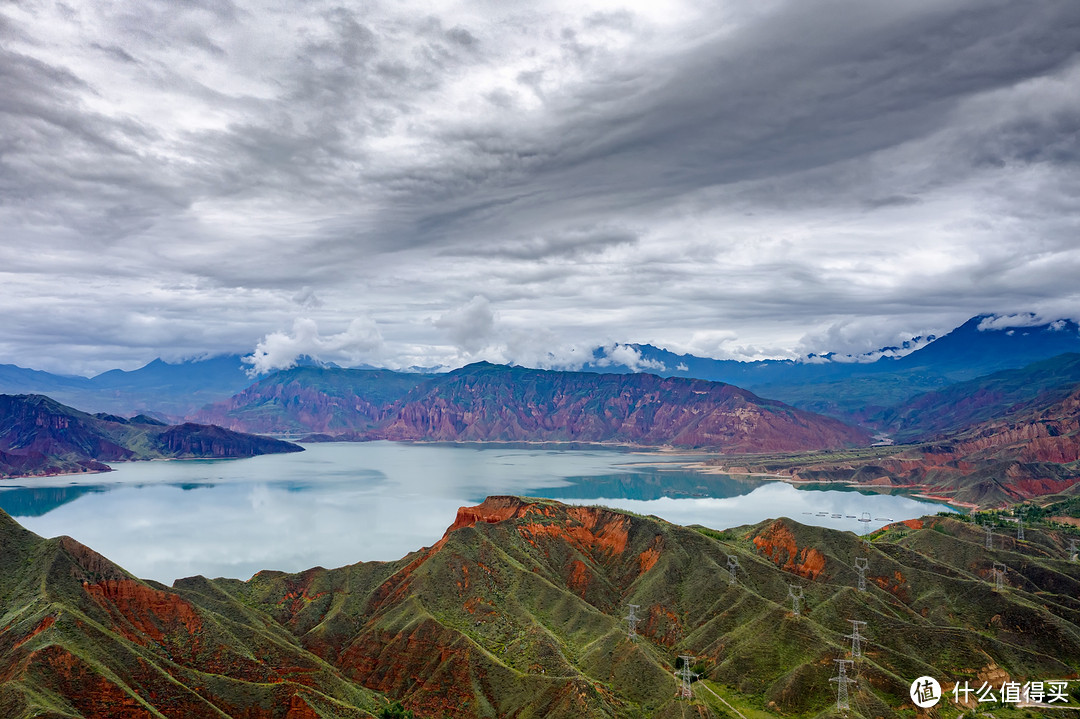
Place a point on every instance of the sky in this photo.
(431, 183)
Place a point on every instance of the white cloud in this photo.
(470, 326)
(860, 340)
(280, 350)
(621, 354)
(1004, 322)
(185, 178)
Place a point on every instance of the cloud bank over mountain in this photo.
(740, 180)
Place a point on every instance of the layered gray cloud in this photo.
(743, 180)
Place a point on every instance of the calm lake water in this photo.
(340, 503)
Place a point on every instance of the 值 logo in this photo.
(925, 692)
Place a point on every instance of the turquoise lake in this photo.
(340, 503)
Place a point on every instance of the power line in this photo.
(687, 676)
(796, 594)
(856, 638)
(861, 565)
(842, 680)
(632, 620)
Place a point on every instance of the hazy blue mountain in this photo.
(969, 351)
(14, 379)
(159, 388)
(853, 389)
(857, 390)
(995, 396)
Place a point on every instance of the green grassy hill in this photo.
(519, 612)
(82, 638)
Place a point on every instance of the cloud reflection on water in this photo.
(341, 503)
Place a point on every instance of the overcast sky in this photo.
(421, 183)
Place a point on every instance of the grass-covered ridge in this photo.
(519, 611)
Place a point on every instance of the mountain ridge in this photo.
(518, 610)
(857, 391)
(487, 402)
(40, 436)
(997, 395)
(853, 391)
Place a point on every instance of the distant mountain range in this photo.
(1006, 437)
(995, 396)
(161, 389)
(519, 610)
(307, 400)
(495, 403)
(856, 391)
(987, 406)
(828, 384)
(40, 436)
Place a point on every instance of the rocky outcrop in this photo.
(777, 542)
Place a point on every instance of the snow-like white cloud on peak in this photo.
(280, 350)
(618, 354)
(1011, 321)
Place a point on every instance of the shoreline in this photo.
(907, 489)
(667, 457)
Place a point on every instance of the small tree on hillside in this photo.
(395, 711)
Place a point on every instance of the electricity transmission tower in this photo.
(631, 621)
(842, 680)
(865, 519)
(796, 594)
(732, 567)
(861, 565)
(687, 676)
(989, 536)
(856, 638)
(1073, 550)
(1019, 525)
(999, 575)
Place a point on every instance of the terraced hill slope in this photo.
(518, 611)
